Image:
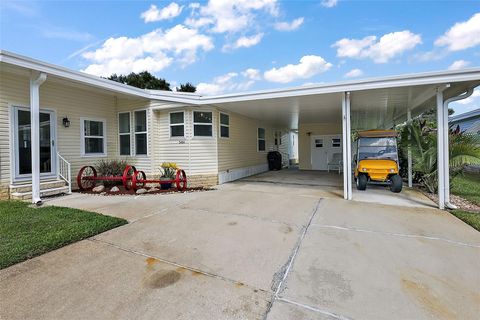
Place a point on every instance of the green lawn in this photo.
(26, 232)
(472, 218)
(467, 186)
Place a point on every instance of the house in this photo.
(468, 122)
(79, 119)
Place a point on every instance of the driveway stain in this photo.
(162, 279)
(286, 229)
(423, 296)
(232, 223)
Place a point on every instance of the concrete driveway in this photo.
(254, 250)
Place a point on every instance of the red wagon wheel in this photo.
(181, 180)
(127, 177)
(86, 178)
(138, 179)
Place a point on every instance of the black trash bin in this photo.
(274, 160)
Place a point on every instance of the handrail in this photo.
(64, 171)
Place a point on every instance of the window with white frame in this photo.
(202, 124)
(124, 133)
(261, 139)
(177, 124)
(93, 135)
(224, 125)
(140, 131)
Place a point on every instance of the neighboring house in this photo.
(82, 119)
(468, 122)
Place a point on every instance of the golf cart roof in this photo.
(377, 133)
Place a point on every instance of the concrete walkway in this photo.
(253, 250)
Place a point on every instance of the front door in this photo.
(22, 143)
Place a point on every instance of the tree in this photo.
(143, 80)
(187, 87)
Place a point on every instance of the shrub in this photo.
(111, 168)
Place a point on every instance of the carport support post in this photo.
(347, 147)
(441, 166)
(409, 152)
(36, 80)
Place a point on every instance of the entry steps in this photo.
(47, 188)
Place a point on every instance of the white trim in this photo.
(239, 173)
(82, 137)
(264, 139)
(176, 124)
(202, 124)
(428, 78)
(14, 156)
(129, 133)
(220, 125)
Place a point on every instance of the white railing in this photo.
(64, 171)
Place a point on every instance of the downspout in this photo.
(446, 145)
(36, 81)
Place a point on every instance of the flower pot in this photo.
(165, 185)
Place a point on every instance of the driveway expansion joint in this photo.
(317, 310)
(280, 277)
(395, 234)
(175, 264)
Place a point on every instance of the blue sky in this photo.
(228, 46)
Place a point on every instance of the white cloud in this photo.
(462, 35)
(154, 14)
(222, 16)
(307, 68)
(353, 73)
(459, 64)
(152, 51)
(329, 3)
(252, 74)
(244, 42)
(471, 99)
(229, 82)
(289, 26)
(388, 46)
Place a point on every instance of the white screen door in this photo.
(22, 143)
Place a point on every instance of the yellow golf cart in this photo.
(376, 159)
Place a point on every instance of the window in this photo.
(177, 124)
(140, 132)
(319, 143)
(224, 125)
(261, 139)
(124, 133)
(93, 136)
(202, 124)
(278, 138)
(336, 142)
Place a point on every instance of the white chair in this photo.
(336, 162)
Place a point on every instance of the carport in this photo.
(342, 108)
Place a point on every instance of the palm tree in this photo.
(464, 149)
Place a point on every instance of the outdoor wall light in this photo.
(66, 122)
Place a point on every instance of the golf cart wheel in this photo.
(396, 183)
(362, 182)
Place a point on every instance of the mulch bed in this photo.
(461, 203)
(123, 191)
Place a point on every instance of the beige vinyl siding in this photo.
(141, 162)
(196, 155)
(305, 131)
(240, 150)
(66, 101)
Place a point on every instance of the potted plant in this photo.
(168, 171)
